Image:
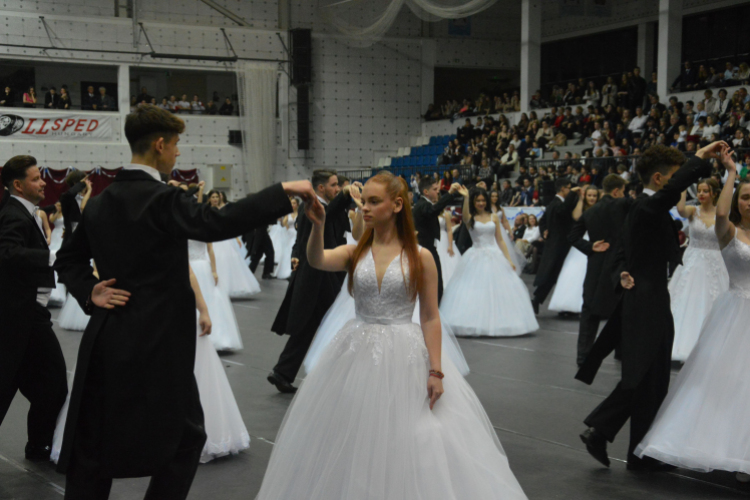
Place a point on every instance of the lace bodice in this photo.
(737, 259)
(483, 235)
(197, 250)
(702, 236)
(392, 305)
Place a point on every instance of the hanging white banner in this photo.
(55, 127)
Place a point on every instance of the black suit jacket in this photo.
(642, 321)
(69, 206)
(136, 231)
(558, 220)
(426, 220)
(311, 288)
(603, 221)
(24, 267)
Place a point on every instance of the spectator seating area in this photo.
(421, 156)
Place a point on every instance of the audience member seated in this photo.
(6, 98)
(227, 108)
(29, 98)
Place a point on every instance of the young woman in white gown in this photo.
(568, 294)
(485, 296)
(284, 269)
(702, 277)
(59, 293)
(518, 259)
(225, 430)
(71, 315)
(448, 253)
(235, 277)
(702, 424)
(374, 418)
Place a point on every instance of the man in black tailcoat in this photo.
(642, 323)
(74, 199)
(134, 408)
(311, 291)
(426, 212)
(603, 223)
(30, 356)
(555, 225)
(260, 245)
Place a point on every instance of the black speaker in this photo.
(235, 137)
(301, 56)
(303, 117)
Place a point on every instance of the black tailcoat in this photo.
(642, 322)
(142, 355)
(558, 220)
(310, 288)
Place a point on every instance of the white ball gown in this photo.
(284, 269)
(71, 315)
(695, 285)
(568, 294)
(515, 255)
(360, 425)
(703, 422)
(235, 277)
(485, 297)
(59, 293)
(447, 263)
(225, 430)
(225, 334)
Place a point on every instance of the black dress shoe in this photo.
(596, 445)
(281, 383)
(267, 277)
(38, 453)
(535, 305)
(648, 464)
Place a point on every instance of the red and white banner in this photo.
(55, 127)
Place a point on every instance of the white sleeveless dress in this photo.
(225, 334)
(235, 277)
(485, 297)
(695, 285)
(447, 263)
(568, 294)
(59, 293)
(283, 269)
(703, 422)
(360, 426)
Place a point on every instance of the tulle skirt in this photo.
(447, 263)
(568, 294)
(225, 430)
(693, 288)
(486, 298)
(72, 316)
(225, 332)
(282, 250)
(360, 427)
(235, 278)
(515, 255)
(223, 423)
(703, 422)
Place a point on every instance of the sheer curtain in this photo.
(364, 22)
(256, 85)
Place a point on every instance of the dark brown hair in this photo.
(658, 158)
(15, 169)
(612, 182)
(74, 177)
(735, 217)
(147, 123)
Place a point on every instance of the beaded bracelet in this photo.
(437, 374)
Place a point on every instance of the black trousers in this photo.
(435, 256)
(548, 281)
(262, 244)
(640, 405)
(85, 479)
(295, 350)
(40, 376)
(588, 328)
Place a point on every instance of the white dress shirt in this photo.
(144, 168)
(531, 234)
(42, 294)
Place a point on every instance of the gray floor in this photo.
(526, 385)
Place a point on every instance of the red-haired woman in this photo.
(366, 422)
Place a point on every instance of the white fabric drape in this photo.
(364, 22)
(256, 84)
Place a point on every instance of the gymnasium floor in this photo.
(525, 383)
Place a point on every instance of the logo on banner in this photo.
(85, 127)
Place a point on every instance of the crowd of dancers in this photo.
(378, 291)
